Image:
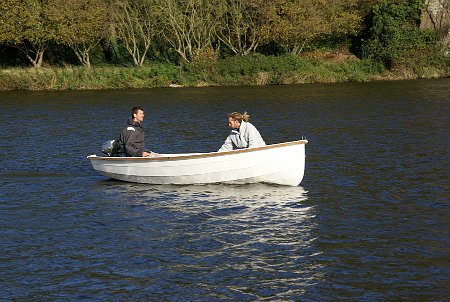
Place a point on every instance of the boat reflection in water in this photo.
(254, 206)
(191, 196)
(243, 238)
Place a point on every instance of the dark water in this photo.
(370, 222)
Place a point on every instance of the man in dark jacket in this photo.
(131, 138)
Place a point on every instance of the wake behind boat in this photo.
(282, 164)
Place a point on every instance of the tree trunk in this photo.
(34, 54)
(436, 16)
(37, 60)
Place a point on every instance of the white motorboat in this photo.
(282, 164)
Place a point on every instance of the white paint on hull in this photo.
(279, 164)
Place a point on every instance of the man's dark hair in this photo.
(135, 110)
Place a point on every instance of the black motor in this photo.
(111, 147)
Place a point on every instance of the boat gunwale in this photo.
(197, 155)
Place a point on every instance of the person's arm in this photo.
(227, 145)
(132, 150)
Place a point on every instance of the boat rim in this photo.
(197, 155)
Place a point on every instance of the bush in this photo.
(260, 66)
(396, 40)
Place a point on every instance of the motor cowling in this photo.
(111, 147)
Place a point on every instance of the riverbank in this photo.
(236, 71)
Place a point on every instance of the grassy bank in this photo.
(251, 70)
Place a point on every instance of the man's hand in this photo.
(146, 154)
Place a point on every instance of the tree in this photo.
(241, 25)
(395, 37)
(294, 23)
(189, 26)
(78, 24)
(23, 26)
(136, 26)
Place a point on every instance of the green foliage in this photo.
(196, 44)
(257, 69)
(22, 20)
(253, 69)
(23, 25)
(358, 71)
(395, 38)
(156, 75)
(79, 25)
(255, 63)
(295, 24)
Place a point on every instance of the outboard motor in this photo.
(111, 147)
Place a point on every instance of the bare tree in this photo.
(188, 25)
(136, 26)
(241, 25)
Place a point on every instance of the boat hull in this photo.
(282, 164)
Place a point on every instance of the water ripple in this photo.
(370, 222)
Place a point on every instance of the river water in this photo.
(369, 222)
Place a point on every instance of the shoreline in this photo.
(172, 76)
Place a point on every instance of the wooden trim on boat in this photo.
(201, 155)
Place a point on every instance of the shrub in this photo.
(396, 40)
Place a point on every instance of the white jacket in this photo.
(246, 137)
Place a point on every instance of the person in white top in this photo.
(243, 134)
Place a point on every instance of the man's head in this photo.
(137, 114)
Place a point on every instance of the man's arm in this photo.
(132, 150)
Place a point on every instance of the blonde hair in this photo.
(240, 117)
